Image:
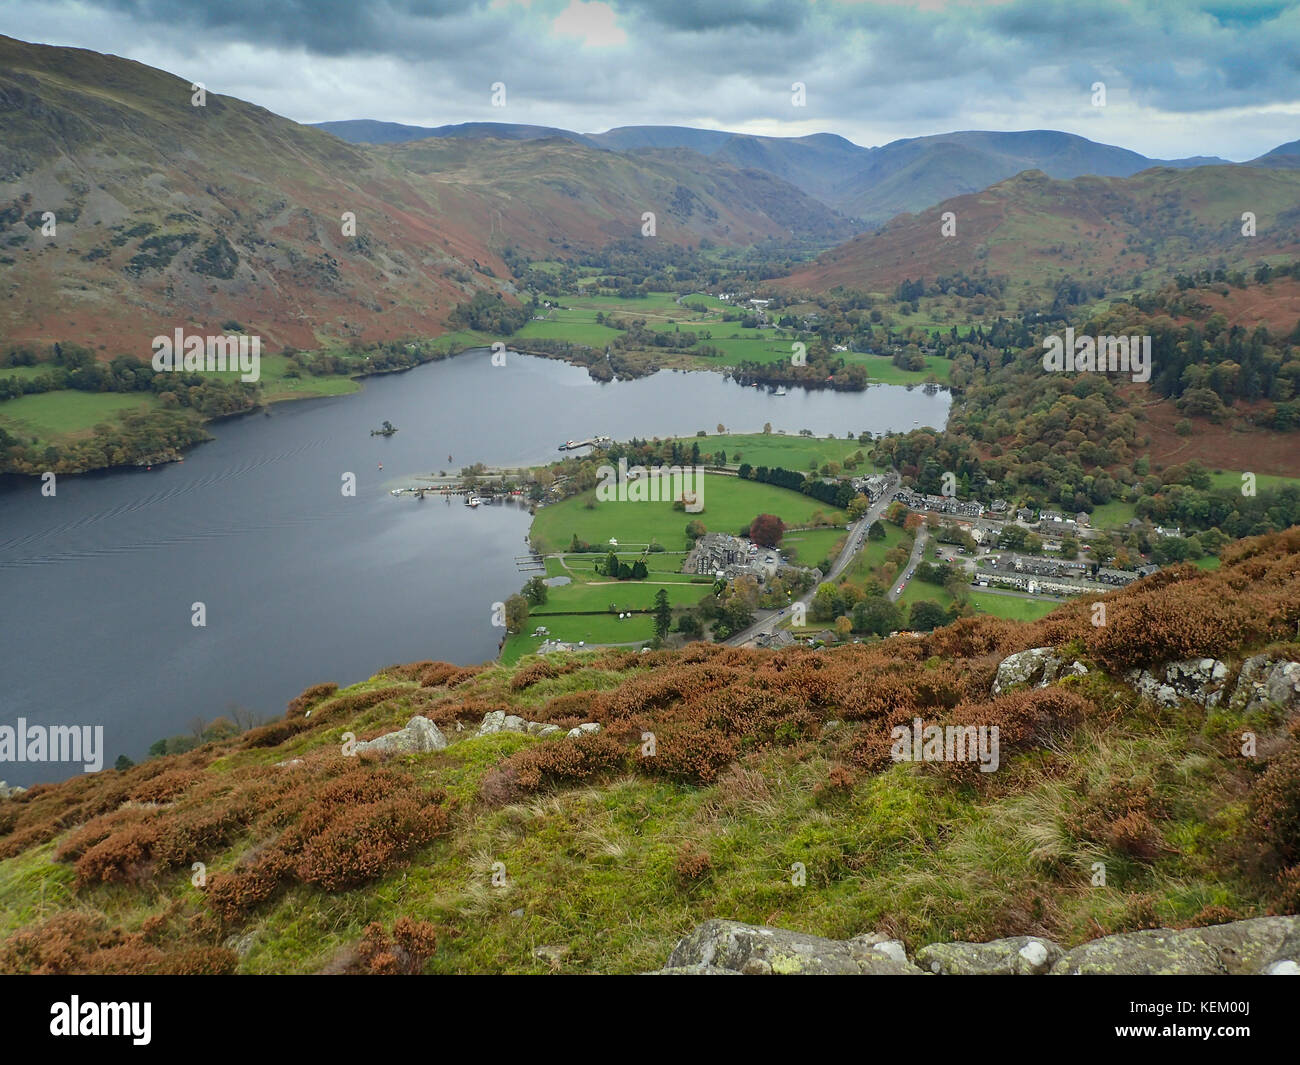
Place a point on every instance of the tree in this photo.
(611, 565)
(695, 529)
(639, 570)
(876, 531)
(927, 615)
(663, 613)
(535, 591)
(826, 602)
(516, 613)
(877, 615)
(843, 626)
(766, 530)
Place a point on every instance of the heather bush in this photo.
(401, 954)
(300, 704)
(570, 761)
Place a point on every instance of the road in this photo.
(857, 537)
(918, 547)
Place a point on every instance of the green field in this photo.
(872, 557)
(730, 504)
(1263, 481)
(1010, 606)
(588, 628)
(49, 415)
(624, 595)
(881, 369)
(790, 451)
(808, 547)
(1111, 515)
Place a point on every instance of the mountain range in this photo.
(871, 185)
(167, 210)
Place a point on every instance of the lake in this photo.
(299, 583)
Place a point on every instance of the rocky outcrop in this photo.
(1199, 679)
(753, 950)
(1038, 666)
(419, 735)
(1265, 682)
(6, 792)
(499, 721)
(1261, 945)
(1018, 956)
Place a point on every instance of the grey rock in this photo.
(1017, 956)
(241, 945)
(1283, 968)
(1038, 666)
(1153, 952)
(493, 721)
(753, 949)
(512, 723)
(1199, 679)
(587, 728)
(6, 792)
(548, 730)
(1267, 682)
(419, 735)
(691, 970)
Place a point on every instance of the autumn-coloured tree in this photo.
(766, 530)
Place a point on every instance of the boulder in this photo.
(1247, 948)
(1199, 679)
(6, 792)
(419, 735)
(1017, 956)
(1267, 682)
(512, 723)
(493, 721)
(1153, 952)
(1038, 666)
(754, 950)
(587, 728)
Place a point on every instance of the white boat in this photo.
(473, 501)
(779, 392)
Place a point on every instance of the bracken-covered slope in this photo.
(1034, 231)
(169, 214)
(1162, 747)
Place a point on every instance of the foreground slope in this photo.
(1162, 745)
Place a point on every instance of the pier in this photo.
(573, 445)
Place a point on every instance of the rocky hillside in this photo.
(1036, 231)
(583, 813)
(169, 214)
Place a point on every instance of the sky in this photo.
(1181, 77)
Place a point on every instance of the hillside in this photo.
(1162, 747)
(1036, 232)
(170, 214)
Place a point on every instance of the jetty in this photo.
(573, 445)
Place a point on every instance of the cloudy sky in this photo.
(1182, 77)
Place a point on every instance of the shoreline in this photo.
(178, 454)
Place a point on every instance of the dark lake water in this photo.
(300, 583)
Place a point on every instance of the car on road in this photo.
(899, 590)
(909, 573)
